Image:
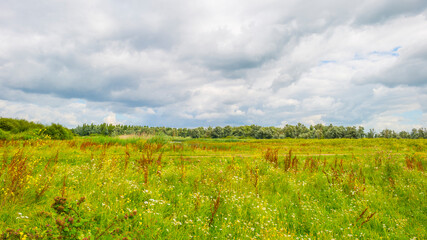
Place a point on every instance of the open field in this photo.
(164, 188)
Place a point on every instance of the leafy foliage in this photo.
(25, 130)
(18, 125)
(4, 135)
(318, 131)
(56, 131)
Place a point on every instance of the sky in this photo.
(207, 63)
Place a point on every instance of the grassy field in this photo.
(158, 188)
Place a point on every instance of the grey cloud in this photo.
(409, 69)
(373, 12)
(65, 78)
(413, 72)
(209, 63)
(234, 53)
(74, 75)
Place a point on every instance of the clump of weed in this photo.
(69, 222)
(367, 219)
(214, 208)
(16, 176)
(272, 156)
(412, 163)
(255, 178)
(148, 158)
(47, 176)
(289, 162)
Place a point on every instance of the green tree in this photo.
(227, 131)
(264, 133)
(217, 132)
(195, 133)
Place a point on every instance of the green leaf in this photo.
(108, 237)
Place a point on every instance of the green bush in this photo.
(56, 131)
(20, 129)
(18, 125)
(27, 135)
(4, 135)
(7, 124)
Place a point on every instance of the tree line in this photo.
(318, 131)
(23, 129)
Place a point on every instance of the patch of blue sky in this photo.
(323, 62)
(357, 56)
(79, 100)
(394, 52)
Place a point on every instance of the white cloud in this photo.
(387, 121)
(312, 120)
(42, 114)
(254, 111)
(111, 119)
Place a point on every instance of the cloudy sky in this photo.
(187, 63)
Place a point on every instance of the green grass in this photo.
(168, 188)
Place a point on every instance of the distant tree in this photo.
(332, 132)
(239, 131)
(183, 132)
(264, 133)
(414, 133)
(422, 133)
(195, 133)
(360, 132)
(404, 134)
(301, 130)
(319, 134)
(319, 131)
(208, 132)
(202, 131)
(305, 135)
(217, 132)
(350, 132)
(387, 133)
(254, 130)
(289, 131)
(371, 133)
(227, 131)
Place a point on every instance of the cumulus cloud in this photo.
(204, 63)
(111, 119)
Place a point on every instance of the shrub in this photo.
(18, 125)
(56, 131)
(7, 124)
(4, 135)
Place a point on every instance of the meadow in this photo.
(181, 188)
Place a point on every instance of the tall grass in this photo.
(110, 188)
